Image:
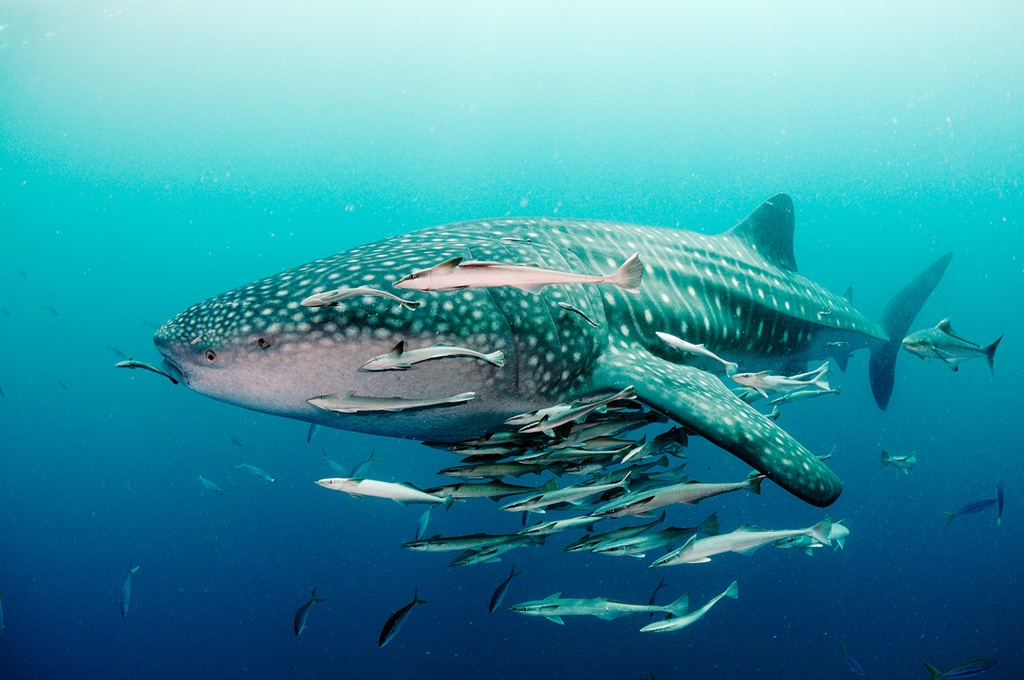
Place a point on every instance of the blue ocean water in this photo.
(153, 155)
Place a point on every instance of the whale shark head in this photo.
(259, 347)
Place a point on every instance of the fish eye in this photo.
(263, 343)
(211, 356)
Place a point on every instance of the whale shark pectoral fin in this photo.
(699, 401)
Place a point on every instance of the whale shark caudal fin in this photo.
(895, 320)
(701, 402)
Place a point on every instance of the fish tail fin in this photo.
(895, 320)
(732, 591)
(314, 598)
(820, 531)
(710, 527)
(416, 596)
(495, 358)
(990, 354)
(629, 275)
(680, 606)
(754, 482)
(885, 457)
(447, 502)
(242, 458)
(936, 673)
(952, 516)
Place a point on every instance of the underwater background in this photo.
(156, 154)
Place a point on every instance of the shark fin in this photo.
(556, 619)
(896, 319)
(768, 231)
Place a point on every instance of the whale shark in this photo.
(737, 293)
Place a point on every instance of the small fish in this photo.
(682, 621)
(209, 487)
(421, 525)
(400, 359)
(348, 402)
(117, 353)
(654, 593)
(825, 313)
(259, 472)
(764, 382)
(332, 297)
(967, 670)
(132, 363)
(492, 553)
(577, 311)
(440, 543)
(61, 385)
(943, 343)
(593, 541)
(508, 240)
(903, 464)
(499, 592)
(836, 343)
(642, 502)
(455, 274)
(335, 465)
(362, 467)
(999, 497)
(798, 395)
(232, 439)
(554, 607)
(970, 509)
(837, 534)
(745, 540)
(403, 494)
(700, 350)
(495, 490)
(556, 416)
(396, 620)
(313, 427)
(545, 528)
(851, 662)
(302, 613)
(51, 310)
(126, 589)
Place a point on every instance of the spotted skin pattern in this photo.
(737, 293)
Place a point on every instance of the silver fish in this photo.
(331, 298)
(348, 402)
(944, 344)
(395, 621)
(302, 613)
(401, 359)
(126, 589)
(456, 274)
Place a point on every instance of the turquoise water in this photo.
(154, 156)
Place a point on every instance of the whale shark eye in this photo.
(263, 343)
(211, 356)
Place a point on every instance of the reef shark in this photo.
(737, 293)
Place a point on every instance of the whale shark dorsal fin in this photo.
(769, 231)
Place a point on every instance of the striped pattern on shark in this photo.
(737, 293)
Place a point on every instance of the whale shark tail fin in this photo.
(896, 319)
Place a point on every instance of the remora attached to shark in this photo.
(736, 293)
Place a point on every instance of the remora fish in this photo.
(642, 502)
(400, 359)
(126, 589)
(441, 543)
(571, 494)
(302, 613)
(554, 607)
(594, 541)
(331, 298)
(403, 494)
(901, 463)
(457, 274)
(348, 402)
(837, 534)
(736, 293)
(967, 670)
(638, 546)
(396, 620)
(684, 619)
(745, 540)
(499, 592)
(700, 350)
(944, 344)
